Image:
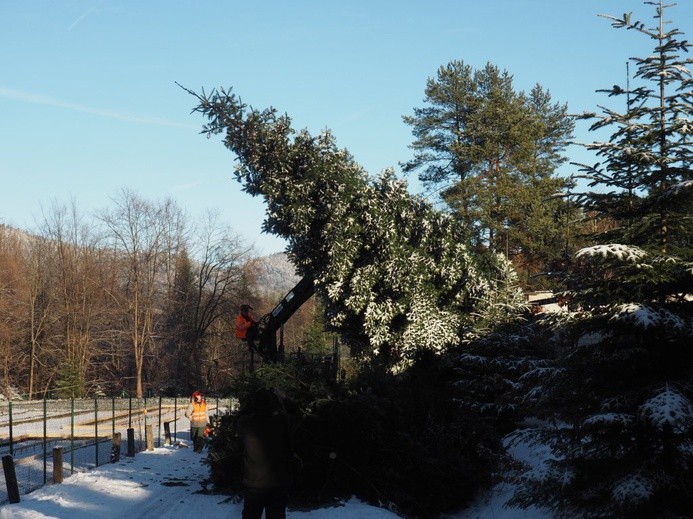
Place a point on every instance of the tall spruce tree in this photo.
(395, 275)
(180, 328)
(645, 170)
(622, 383)
(492, 153)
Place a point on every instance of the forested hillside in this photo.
(142, 303)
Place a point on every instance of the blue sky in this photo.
(89, 105)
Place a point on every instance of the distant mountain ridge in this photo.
(276, 275)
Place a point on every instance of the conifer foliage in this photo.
(620, 391)
(491, 153)
(645, 177)
(396, 275)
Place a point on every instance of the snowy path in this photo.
(168, 483)
(165, 482)
(160, 483)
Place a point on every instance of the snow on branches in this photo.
(645, 316)
(617, 251)
(669, 409)
(395, 274)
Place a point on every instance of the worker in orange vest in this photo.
(199, 419)
(246, 326)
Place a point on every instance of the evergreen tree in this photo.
(646, 164)
(180, 326)
(493, 152)
(395, 275)
(315, 339)
(621, 386)
(70, 382)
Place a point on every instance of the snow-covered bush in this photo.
(401, 441)
(621, 387)
(500, 376)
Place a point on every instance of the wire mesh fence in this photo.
(84, 429)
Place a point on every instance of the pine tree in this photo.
(621, 387)
(492, 154)
(180, 327)
(314, 339)
(70, 382)
(395, 275)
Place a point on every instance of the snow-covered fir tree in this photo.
(621, 390)
(396, 275)
(644, 176)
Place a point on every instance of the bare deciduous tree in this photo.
(38, 301)
(12, 357)
(206, 294)
(139, 232)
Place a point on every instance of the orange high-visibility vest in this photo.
(243, 324)
(199, 414)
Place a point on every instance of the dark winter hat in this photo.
(246, 307)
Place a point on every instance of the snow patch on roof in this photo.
(592, 338)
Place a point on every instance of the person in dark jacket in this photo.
(267, 456)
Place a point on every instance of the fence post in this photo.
(96, 430)
(45, 440)
(72, 435)
(150, 436)
(167, 433)
(131, 442)
(57, 464)
(158, 435)
(11, 431)
(10, 479)
(175, 417)
(115, 449)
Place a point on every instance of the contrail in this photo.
(81, 17)
(28, 97)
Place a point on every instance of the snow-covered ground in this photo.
(169, 482)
